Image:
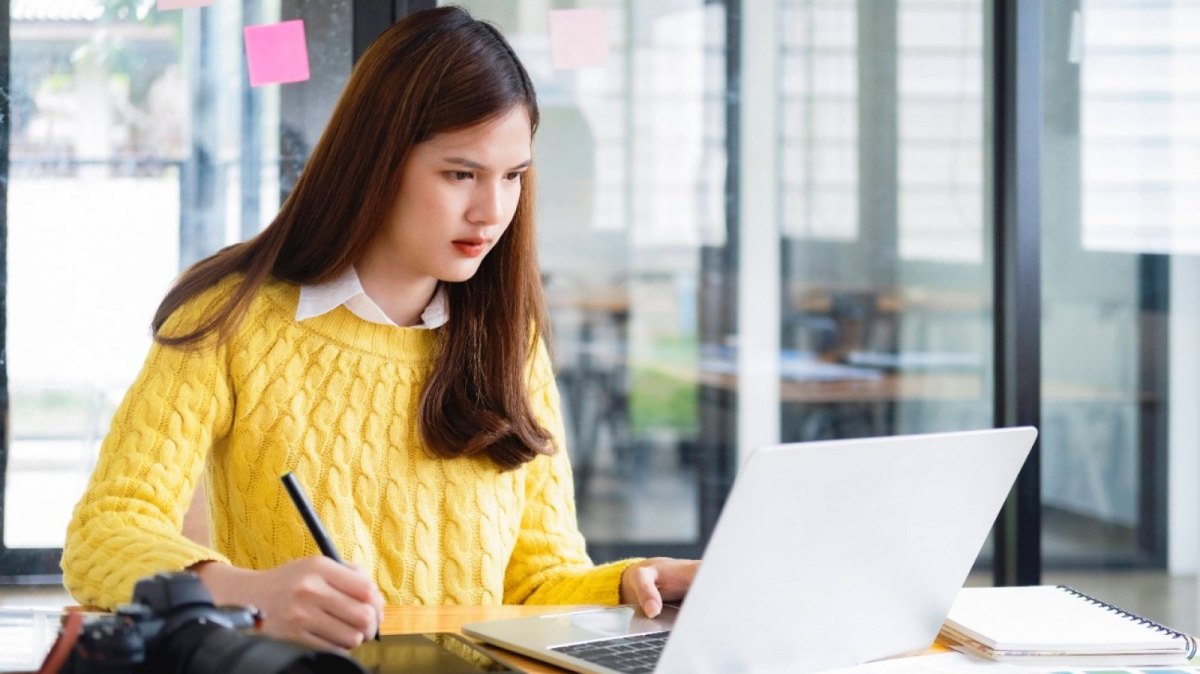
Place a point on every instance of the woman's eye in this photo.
(460, 175)
(514, 176)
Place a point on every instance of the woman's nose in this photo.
(487, 206)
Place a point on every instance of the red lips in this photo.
(472, 247)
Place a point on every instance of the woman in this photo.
(382, 338)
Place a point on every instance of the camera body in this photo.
(166, 606)
(173, 626)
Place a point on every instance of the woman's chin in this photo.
(459, 274)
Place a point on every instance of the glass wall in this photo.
(631, 159)
(136, 147)
(886, 275)
(1120, 220)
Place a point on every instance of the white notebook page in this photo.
(1047, 617)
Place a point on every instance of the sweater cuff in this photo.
(188, 554)
(175, 558)
(605, 581)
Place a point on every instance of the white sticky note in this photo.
(578, 38)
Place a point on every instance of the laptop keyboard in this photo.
(634, 655)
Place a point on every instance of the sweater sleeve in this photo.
(549, 564)
(127, 525)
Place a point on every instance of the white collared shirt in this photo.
(347, 289)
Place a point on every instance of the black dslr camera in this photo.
(172, 626)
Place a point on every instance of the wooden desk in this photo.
(418, 619)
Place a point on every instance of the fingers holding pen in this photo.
(301, 601)
(348, 580)
(319, 602)
(348, 597)
(362, 587)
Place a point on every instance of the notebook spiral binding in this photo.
(1187, 638)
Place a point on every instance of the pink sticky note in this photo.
(276, 53)
(578, 38)
(183, 4)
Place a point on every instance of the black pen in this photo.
(310, 516)
(310, 520)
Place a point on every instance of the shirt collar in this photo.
(346, 289)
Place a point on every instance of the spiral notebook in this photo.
(1055, 624)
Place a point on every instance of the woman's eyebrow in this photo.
(480, 167)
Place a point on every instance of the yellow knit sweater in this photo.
(333, 398)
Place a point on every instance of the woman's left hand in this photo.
(652, 581)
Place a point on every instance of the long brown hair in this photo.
(435, 71)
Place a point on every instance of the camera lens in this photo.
(204, 647)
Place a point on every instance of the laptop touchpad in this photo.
(609, 622)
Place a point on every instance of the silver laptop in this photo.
(827, 554)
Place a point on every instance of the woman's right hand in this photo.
(314, 601)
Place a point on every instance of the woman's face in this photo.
(458, 193)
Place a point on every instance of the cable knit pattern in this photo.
(333, 398)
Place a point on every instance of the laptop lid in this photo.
(826, 554)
